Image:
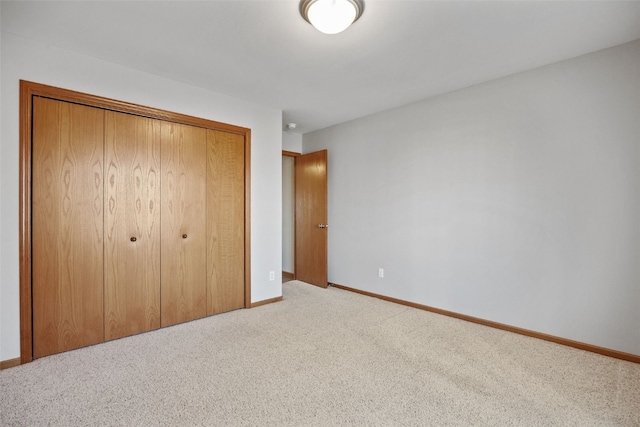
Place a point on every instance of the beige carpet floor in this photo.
(323, 358)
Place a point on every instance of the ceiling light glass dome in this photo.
(331, 16)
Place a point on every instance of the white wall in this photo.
(292, 142)
(516, 201)
(28, 60)
(288, 213)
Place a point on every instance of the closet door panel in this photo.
(183, 217)
(225, 221)
(132, 224)
(67, 226)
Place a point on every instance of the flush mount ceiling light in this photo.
(331, 16)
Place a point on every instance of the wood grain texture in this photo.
(128, 107)
(310, 211)
(30, 91)
(25, 218)
(225, 222)
(6, 364)
(132, 210)
(183, 213)
(247, 219)
(67, 226)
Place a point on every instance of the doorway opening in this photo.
(288, 216)
(309, 249)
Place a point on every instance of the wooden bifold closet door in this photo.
(225, 221)
(184, 244)
(67, 226)
(132, 225)
(137, 223)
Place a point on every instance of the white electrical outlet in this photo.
(381, 272)
(272, 276)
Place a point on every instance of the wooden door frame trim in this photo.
(30, 89)
(290, 153)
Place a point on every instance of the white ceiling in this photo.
(264, 52)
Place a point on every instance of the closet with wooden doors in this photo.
(136, 223)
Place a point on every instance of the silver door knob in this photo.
(323, 225)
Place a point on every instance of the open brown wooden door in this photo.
(311, 218)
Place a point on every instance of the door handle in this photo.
(323, 225)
